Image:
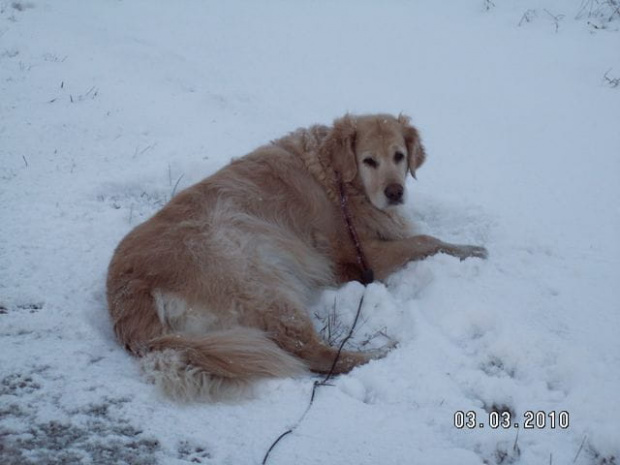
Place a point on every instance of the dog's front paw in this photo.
(474, 251)
(465, 251)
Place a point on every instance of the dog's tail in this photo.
(219, 365)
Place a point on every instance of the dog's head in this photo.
(378, 150)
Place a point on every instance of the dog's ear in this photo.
(415, 150)
(342, 147)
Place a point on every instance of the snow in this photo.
(109, 107)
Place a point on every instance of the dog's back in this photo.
(188, 289)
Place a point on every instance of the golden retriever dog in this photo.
(212, 292)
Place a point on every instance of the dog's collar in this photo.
(367, 273)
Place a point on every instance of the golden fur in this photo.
(212, 291)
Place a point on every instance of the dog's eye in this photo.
(399, 156)
(371, 162)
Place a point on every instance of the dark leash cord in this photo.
(318, 384)
(367, 278)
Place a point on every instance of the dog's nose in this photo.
(394, 193)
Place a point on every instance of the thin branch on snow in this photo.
(488, 4)
(176, 184)
(602, 11)
(515, 446)
(527, 17)
(611, 81)
(580, 447)
(556, 19)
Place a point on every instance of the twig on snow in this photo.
(527, 17)
(612, 81)
(176, 184)
(515, 446)
(556, 19)
(580, 447)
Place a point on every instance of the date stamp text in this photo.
(531, 420)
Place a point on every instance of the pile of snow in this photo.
(107, 108)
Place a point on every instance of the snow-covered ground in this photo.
(108, 107)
